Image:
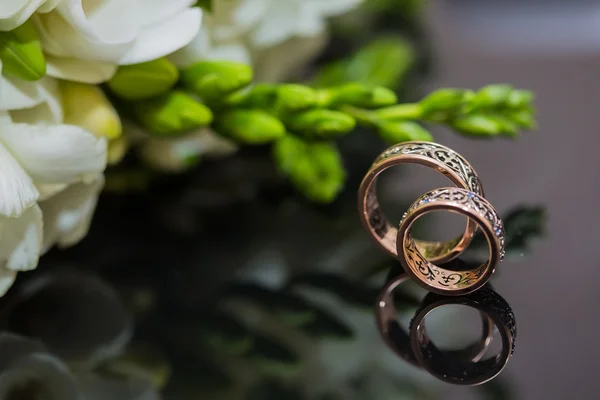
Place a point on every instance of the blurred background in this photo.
(224, 282)
(550, 47)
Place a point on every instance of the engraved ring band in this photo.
(433, 277)
(433, 155)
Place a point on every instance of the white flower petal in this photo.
(76, 70)
(49, 110)
(309, 22)
(278, 63)
(21, 240)
(17, 192)
(10, 8)
(279, 25)
(7, 278)
(196, 50)
(103, 33)
(48, 190)
(48, 6)
(164, 37)
(15, 12)
(17, 94)
(55, 153)
(68, 214)
(333, 7)
(157, 10)
(248, 12)
(230, 52)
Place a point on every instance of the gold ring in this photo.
(435, 278)
(433, 155)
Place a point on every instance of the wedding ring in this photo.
(459, 370)
(397, 338)
(433, 155)
(435, 278)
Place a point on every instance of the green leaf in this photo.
(21, 53)
(353, 293)
(250, 126)
(286, 307)
(321, 124)
(272, 357)
(314, 168)
(172, 114)
(402, 131)
(216, 79)
(383, 62)
(328, 326)
(141, 81)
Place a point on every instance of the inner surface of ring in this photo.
(431, 250)
(436, 276)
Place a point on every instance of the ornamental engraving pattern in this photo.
(437, 152)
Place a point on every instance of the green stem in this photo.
(362, 116)
(400, 111)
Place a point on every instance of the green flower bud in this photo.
(141, 81)
(443, 101)
(172, 114)
(520, 99)
(86, 106)
(402, 131)
(262, 96)
(492, 96)
(359, 95)
(250, 126)
(314, 168)
(215, 79)
(523, 118)
(21, 53)
(479, 124)
(295, 97)
(321, 124)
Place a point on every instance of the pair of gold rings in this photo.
(422, 259)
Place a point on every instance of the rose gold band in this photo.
(433, 155)
(437, 279)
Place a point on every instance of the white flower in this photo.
(85, 40)
(274, 21)
(14, 12)
(39, 158)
